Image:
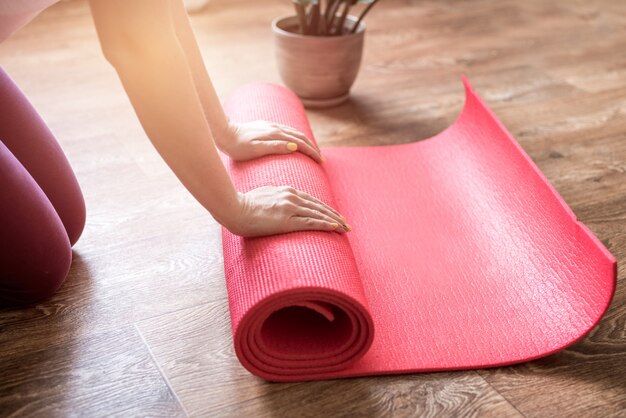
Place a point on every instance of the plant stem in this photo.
(342, 19)
(314, 19)
(331, 12)
(328, 12)
(367, 9)
(322, 25)
(301, 12)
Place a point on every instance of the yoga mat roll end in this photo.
(303, 333)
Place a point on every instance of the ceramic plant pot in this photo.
(319, 69)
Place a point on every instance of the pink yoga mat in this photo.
(462, 256)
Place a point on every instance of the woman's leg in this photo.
(35, 252)
(30, 141)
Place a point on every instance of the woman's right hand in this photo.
(275, 210)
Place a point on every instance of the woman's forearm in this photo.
(178, 108)
(172, 118)
(213, 111)
(139, 39)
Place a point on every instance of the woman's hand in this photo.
(246, 141)
(275, 210)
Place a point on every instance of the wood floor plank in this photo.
(195, 351)
(585, 380)
(554, 73)
(105, 375)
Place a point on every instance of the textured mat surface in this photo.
(462, 256)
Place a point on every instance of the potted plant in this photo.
(319, 49)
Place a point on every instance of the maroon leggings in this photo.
(42, 211)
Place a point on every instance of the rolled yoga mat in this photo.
(462, 256)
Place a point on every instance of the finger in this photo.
(278, 147)
(305, 148)
(299, 223)
(298, 134)
(284, 130)
(325, 210)
(320, 207)
(292, 144)
(313, 213)
(318, 203)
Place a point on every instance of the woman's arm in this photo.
(139, 39)
(241, 141)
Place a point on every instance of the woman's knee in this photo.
(37, 280)
(30, 141)
(35, 251)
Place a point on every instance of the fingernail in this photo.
(347, 227)
(292, 146)
(322, 158)
(334, 225)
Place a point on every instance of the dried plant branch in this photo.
(301, 13)
(314, 18)
(342, 17)
(322, 26)
(330, 4)
(331, 12)
(365, 11)
(327, 17)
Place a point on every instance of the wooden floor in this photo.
(141, 327)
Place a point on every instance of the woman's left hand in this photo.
(246, 141)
